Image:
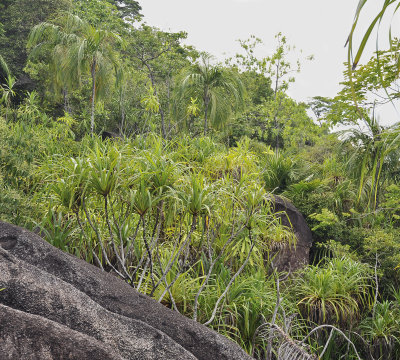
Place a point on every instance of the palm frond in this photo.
(4, 67)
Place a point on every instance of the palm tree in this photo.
(7, 89)
(85, 50)
(4, 67)
(374, 155)
(215, 85)
(8, 92)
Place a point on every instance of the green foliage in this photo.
(372, 159)
(326, 219)
(385, 244)
(101, 13)
(18, 18)
(187, 219)
(391, 206)
(279, 171)
(4, 67)
(84, 50)
(335, 293)
(150, 101)
(219, 88)
(381, 330)
(129, 8)
(15, 206)
(7, 92)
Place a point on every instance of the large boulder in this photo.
(294, 257)
(56, 306)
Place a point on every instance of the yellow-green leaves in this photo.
(141, 199)
(70, 189)
(104, 164)
(193, 108)
(196, 198)
(150, 101)
(325, 219)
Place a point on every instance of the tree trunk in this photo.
(121, 132)
(169, 98)
(160, 110)
(67, 108)
(206, 101)
(122, 108)
(276, 124)
(276, 80)
(93, 72)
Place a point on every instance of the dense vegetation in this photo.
(149, 159)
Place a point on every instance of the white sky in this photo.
(317, 27)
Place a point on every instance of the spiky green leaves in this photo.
(336, 292)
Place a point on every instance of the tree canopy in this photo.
(133, 150)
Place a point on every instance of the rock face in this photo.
(294, 257)
(55, 306)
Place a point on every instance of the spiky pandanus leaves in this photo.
(335, 293)
(104, 165)
(71, 188)
(382, 330)
(116, 194)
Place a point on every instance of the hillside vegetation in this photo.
(151, 160)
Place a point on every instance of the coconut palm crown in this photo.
(220, 90)
(78, 49)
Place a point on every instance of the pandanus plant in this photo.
(8, 92)
(335, 293)
(7, 89)
(381, 330)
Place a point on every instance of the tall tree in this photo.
(278, 70)
(18, 17)
(87, 50)
(129, 9)
(216, 86)
(154, 49)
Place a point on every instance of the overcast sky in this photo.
(317, 27)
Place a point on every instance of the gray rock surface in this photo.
(56, 306)
(31, 337)
(294, 257)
